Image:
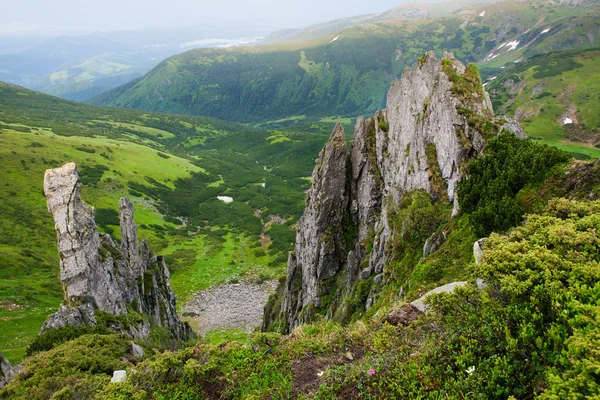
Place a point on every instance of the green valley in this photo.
(173, 168)
(555, 97)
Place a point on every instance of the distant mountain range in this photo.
(79, 67)
(348, 72)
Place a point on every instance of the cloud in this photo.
(216, 42)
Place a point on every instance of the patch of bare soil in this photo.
(307, 373)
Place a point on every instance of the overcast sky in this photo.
(258, 16)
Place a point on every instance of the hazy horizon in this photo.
(258, 17)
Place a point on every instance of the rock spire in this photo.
(99, 275)
(438, 117)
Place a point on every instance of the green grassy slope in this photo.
(93, 76)
(348, 73)
(172, 167)
(548, 89)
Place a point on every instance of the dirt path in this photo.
(237, 305)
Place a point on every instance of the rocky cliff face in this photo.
(99, 275)
(7, 371)
(437, 118)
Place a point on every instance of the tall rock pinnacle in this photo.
(99, 275)
(319, 241)
(78, 241)
(438, 117)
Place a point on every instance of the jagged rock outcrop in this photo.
(7, 371)
(99, 275)
(319, 242)
(513, 126)
(438, 117)
(433, 243)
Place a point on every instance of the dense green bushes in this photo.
(55, 337)
(74, 370)
(494, 180)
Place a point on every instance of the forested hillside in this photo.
(348, 73)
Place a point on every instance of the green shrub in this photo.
(507, 166)
(55, 337)
(75, 369)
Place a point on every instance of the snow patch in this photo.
(491, 79)
(567, 121)
(334, 39)
(512, 45)
(482, 14)
(225, 199)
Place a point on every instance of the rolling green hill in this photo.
(555, 97)
(93, 76)
(407, 11)
(348, 73)
(172, 167)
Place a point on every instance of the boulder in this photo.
(478, 250)
(118, 376)
(136, 351)
(420, 305)
(7, 371)
(403, 315)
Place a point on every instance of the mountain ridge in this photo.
(322, 76)
(438, 117)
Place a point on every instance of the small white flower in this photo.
(320, 373)
(470, 370)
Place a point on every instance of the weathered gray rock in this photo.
(478, 250)
(75, 316)
(513, 126)
(119, 376)
(319, 241)
(433, 243)
(421, 141)
(7, 371)
(481, 284)
(378, 279)
(136, 351)
(97, 274)
(420, 302)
